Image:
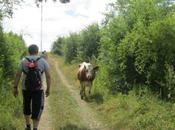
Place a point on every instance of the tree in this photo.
(7, 7)
(132, 44)
(61, 1)
(71, 47)
(89, 44)
(15, 49)
(58, 46)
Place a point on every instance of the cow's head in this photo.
(89, 70)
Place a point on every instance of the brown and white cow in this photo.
(86, 75)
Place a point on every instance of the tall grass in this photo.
(138, 113)
(138, 110)
(10, 109)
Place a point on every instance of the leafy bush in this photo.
(71, 48)
(89, 43)
(81, 46)
(15, 50)
(136, 45)
(12, 48)
(58, 46)
(111, 35)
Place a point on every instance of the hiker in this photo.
(44, 55)
(33, 67)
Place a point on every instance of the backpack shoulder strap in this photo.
(28, 59)
(23, 68)
(38, 58)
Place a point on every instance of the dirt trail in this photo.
(46, 120)
(86, 113)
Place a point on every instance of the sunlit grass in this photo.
(70, 70)
(129, 112)
(64, 109)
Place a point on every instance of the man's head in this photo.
(33, 49)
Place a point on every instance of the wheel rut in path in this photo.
(46, 119)
(86, 113)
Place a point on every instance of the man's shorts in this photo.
(33, 103)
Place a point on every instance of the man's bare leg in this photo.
(35, 124)
(28, 121)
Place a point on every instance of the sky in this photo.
(58, 20)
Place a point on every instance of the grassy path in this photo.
(64, 110)
(46, 119)
(86, 114)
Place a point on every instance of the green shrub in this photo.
(10, 109)
(12, 48)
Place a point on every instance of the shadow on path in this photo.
(98, 98)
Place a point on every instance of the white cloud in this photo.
(58, 19)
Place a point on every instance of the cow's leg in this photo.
(81, 90)
(90, 86)
(84, 91)
(87, 87)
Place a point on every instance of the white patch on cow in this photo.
(88, 67)
(82, 66)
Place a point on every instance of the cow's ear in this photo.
(96, 68)
(79, 65)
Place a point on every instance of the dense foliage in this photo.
(140, 44)
(134, 46)
(12, 47)
(81, 46)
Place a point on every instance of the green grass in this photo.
(11, 117)
(128, 112)
(70, 71)
(64, 109)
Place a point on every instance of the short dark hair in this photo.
(33, 49)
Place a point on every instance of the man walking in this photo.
(33, 67)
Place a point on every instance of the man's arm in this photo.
(17, 79)
(48, 81)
